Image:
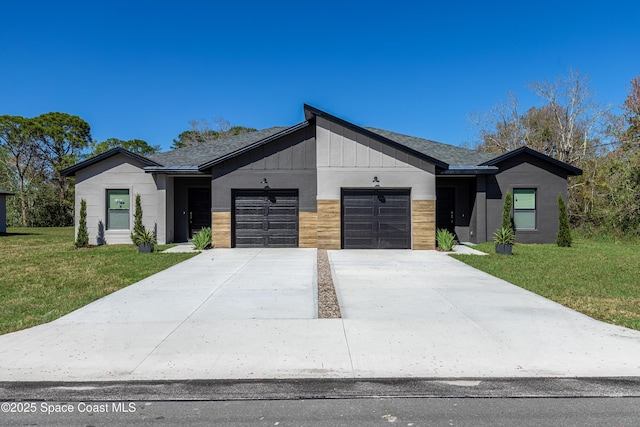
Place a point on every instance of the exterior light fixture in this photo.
(376, 181)
(264, 181)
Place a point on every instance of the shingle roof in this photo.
(450, 154)
(204, 152)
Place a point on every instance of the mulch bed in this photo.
(328, 307)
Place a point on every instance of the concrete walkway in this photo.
(251, 313)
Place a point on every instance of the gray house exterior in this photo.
(324, 183)
(3, 210)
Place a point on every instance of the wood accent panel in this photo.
(308, 229)
(329, 224)
(423, 224)
(221, 229)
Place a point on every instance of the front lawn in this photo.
(43, 276)
(598, 278)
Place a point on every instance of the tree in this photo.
(17, 139)
(564, 232)
(506, 211)
(61, 139)
(201, 132)
(82, 239)
(136, 146)
(138, 227)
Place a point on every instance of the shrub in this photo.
(506, 211)
(82, 239)
(138, 227)
(202, 239)
(445, 239)
(564, 232)
(504, 236)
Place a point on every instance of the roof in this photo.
(70, 171)
(197, 158)
(450, 154)
(571, 170)
(204, 152)
(6, 193)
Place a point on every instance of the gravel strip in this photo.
(328, 307)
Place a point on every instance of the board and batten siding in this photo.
(348, 159)
(119, 172)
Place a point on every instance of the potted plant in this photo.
(145, 239)
(504, 238)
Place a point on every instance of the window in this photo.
(524, 208)
(118, 202)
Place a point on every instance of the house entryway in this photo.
(265, 218)
(376, 219)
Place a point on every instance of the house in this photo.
(324, 183)
(3, 210)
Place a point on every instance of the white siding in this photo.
(350, 160)
(120, 172)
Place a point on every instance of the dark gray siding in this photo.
(288, 163)
(527, 172)
(181, 204)
(465, 192)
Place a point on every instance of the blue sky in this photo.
(144, 69)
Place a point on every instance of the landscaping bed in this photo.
(328, 307)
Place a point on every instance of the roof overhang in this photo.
(70, 171)
(174, 170)
(470, 170)
(6, 193)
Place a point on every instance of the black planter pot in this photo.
(145, 248)
(504, 249)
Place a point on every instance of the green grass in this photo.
(43, 276)
(598, 278)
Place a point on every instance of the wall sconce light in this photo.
(265, 182)
(376, 182)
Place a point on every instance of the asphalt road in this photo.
(475, 412)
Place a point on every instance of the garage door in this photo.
(376, 219)
(266, 218)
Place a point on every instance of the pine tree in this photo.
(506, 211)
(138, 227)
(564, 233)
(82, 239)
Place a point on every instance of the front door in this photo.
(445, 208)
(199, 209)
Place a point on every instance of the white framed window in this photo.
(118, 208)
(524, 208)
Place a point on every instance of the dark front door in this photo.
(376, 219)
(265, 218)
(445, 208)
(199, 200)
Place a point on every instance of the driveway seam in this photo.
(193, 312)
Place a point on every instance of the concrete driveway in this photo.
(251, 313)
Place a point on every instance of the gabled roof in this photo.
(70, 171)
(6, 193)
(416, 149)
(571, 170)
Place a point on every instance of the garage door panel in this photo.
(266, 218)
(376, 219)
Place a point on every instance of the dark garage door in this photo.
(266, 219)
(376, 219)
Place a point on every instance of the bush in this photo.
(564, 232)
(82, 239)
(504, 236)
(138, 227)
(445, 239)
(202, 239)
(506, 211)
